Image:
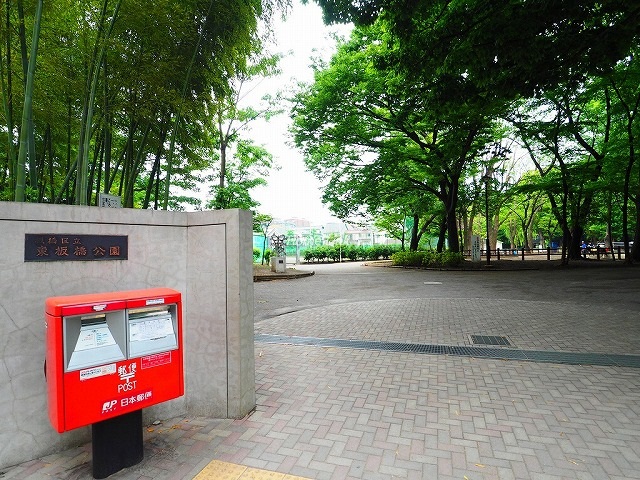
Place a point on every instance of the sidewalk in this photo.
(327, 412)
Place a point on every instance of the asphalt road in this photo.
(592, 284)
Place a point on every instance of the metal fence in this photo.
(597, 253)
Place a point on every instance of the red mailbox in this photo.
(110, 354)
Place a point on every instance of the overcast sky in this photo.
(291, 191)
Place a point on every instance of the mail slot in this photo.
(110, 354)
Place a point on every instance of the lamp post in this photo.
(486, 178)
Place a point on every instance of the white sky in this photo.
(292, 191)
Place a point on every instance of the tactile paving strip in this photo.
(217, 470)
(541, 356)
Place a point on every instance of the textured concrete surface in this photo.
(204, 255)
(336, 413)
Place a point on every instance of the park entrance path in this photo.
(328, 411)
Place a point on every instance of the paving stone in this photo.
(336, 413)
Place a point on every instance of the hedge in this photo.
(333, 253)
(427, 259)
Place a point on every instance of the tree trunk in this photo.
(442, 234)
(31, 141)
(82, 179)
(467, 220)
(52, 191)
(178, 116)
(155, 169)
(108, 131)
(223, 151)
(493, 229)
(413, 244)
(449, 196)
(137, 163)
(7, 95)
(635, 250)
(28, 100)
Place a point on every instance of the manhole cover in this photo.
(489, 340)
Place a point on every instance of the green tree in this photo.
(393, 221)
(525, 204)
(567, 133)
(504, 48)
(361, 120)
(261, 224)
(248, 169)
(230, 119)
(625, 82)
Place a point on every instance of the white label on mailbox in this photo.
(144, 330)
(94, 336)
(155, 301)
(95, 372)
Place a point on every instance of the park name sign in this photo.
(56, 247)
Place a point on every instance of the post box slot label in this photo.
(96, 372)
(94, 333)
(150, 326)
(94, 340)
(152, 330)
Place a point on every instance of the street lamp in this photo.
(486, 178)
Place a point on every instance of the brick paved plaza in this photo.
(333, 412)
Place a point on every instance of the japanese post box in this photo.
(112, 353)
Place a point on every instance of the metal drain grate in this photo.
(539, 356)
(489, 340)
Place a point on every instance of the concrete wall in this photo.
(205, 255)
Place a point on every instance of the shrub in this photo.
(256, 254)
(407, 259)
(267, 255)
(333, 253)
(373, 252)
(351, 252)
(427, 259)
(321, 253)
(452, 259)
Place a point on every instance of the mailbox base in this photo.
(117, 444)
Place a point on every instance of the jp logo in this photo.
(108, 407)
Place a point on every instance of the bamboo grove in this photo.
(111, 96)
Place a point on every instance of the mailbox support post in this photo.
(117, 444)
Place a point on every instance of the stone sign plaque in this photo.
(54, 247)
(475, 248)
(109, 201)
